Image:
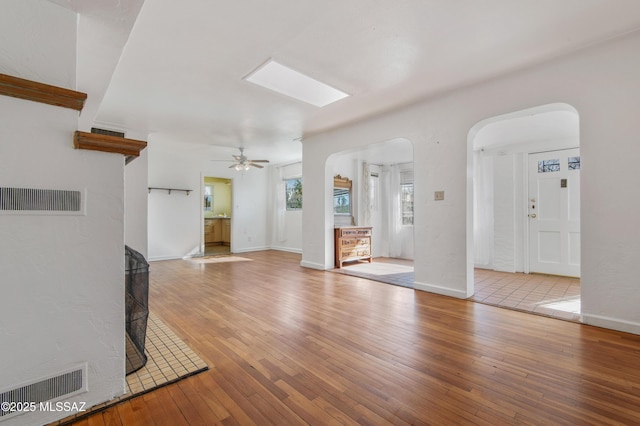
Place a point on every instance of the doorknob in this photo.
(532, 216)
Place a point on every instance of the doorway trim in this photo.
(201, 206)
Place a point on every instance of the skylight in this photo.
(286, 81)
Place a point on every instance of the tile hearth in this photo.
(169, 359)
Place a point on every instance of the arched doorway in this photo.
(526, 209)
(382, 194)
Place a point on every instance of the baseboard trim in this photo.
(287, 249)
(611, 323)
(156, 258)
(248, 249)
(445, 291)
(313, 265)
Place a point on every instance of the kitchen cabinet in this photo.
(213, 231)
(217, 231)
(226, 232)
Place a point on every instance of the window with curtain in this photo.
(293, 193)
(406, 196)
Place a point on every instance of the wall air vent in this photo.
(21, 201)
(99, 131)
(39, 395)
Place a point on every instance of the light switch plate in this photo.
(438, 195)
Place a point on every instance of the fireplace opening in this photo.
(136, 308)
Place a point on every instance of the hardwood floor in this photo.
(288, 345)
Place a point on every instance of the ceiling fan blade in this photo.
(232, 166)
(256, 165)
(259, 161)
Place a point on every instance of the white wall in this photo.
(62, 280)
(599, 82)
(32, 55)
(136, 184)
(176, 221)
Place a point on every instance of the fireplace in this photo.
(136, 308)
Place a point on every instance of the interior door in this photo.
(554, 212)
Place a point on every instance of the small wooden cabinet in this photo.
(226, 232)
(352, 243)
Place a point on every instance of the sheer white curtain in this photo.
(395, 219)
(483, 208)
(374, 189)
(366, 194)
(281, 207)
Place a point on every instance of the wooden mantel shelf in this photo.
(97, 142)
(58, 96)
(40, 92)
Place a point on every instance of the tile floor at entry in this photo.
(550, 295)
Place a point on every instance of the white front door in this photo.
(554, 212)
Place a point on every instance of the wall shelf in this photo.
(108, 143)
(188, 191)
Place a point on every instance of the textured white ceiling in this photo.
(179, 76)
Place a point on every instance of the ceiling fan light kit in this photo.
(239, 167)
(242, 163)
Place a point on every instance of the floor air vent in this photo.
(37, 394)
(40, 201)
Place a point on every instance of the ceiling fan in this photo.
(243, 163)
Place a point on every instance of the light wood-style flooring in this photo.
(289, 346)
